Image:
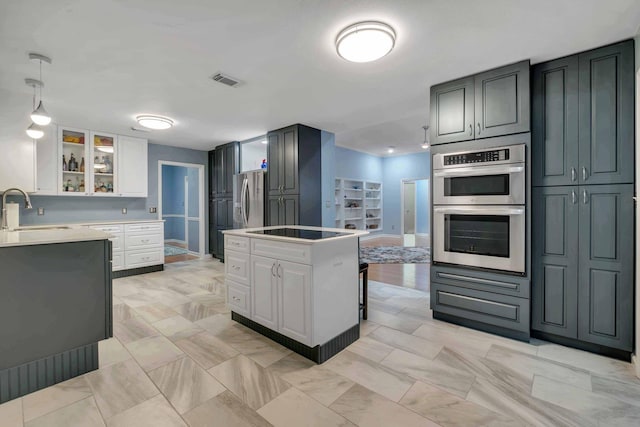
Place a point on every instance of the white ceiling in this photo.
(114, 59)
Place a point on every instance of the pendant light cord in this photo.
(41, 83)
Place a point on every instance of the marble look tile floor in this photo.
(177, 359)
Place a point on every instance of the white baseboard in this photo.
(636, 364)
(376, 235)
(175, 241)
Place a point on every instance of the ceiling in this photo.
(115, 59)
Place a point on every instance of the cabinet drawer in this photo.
(238, 298)
(494, 309)
(140, 241)
(294, 252)
(237, 266)
(145, 257)
(117, 261)
(117, 242)
(482, 281)
(145, 227)
(240, 244)
(109, 228)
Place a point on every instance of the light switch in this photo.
(124, 211)
(153, 210)
(40, 211)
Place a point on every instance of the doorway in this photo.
(181, 206)
(415, 212)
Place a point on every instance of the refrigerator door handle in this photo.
(243, 202)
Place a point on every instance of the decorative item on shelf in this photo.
(263, 165)
(73, 139)
(73, 164)
(97, 166)
(82, 165)
(103, 188)
(69, 186)
(81, 186)
(64, 164)
(108, 165)
(350, 226)
(372, 226)
(110, 187)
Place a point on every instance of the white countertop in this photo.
(246, 232)
(28, 237)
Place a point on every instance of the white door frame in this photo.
(636, 356)
(402, 182)
(201, 218)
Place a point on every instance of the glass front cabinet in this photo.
(90, 163)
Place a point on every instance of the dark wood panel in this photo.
(289, 166)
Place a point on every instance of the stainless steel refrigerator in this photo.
(248, 199)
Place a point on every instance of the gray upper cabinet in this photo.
(282, 210)
(554, 286)
(605, 295)
(606, 114)
(493, 103)
(502, 101)
(452, 107)
(554, 132)
(283, 161)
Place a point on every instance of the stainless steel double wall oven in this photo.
(479, 210)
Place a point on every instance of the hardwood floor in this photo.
(168, 259)
(415, 276)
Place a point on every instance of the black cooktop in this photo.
(300, 234)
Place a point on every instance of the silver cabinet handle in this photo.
(584, 173)
(273, 272)
(585, 198)
(478, 128)
(235, 267)
(235, 298)
(573, 174)
(573, 196)
(470, 129)
(279, 270)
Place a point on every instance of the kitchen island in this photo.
(55, 305)
(297, 285)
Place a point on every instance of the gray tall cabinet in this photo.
(582, 201)
(294, 176)
(224, 163)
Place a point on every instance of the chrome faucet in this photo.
(27, 205)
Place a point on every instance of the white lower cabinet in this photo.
(281, 297)
(134, 245)
(239, 298)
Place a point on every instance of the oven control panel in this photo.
(476, 157)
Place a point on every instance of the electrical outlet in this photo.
(40, 211)
(153, 210)
(124, 211)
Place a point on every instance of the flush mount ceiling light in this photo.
(391, 149)
(425, 144)
(264, 141)
(40, 116)
(365, 41)
(154, 122)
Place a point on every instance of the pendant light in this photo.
(34, 131)
(425, 144)
(40, 116)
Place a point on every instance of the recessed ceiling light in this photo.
(365, 41)
(154, 122)
(391, 150)
(264, 141)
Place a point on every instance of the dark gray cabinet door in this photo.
(606, 115)
(230, 167)
(605, 314)
(452, 116)
(554, 133)
(554, 282)
(502, 101)
(275, 156)
(289, 166)
(218, 171)
(283, 210)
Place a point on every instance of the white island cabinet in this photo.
(296, 285)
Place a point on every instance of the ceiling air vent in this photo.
(226, 80)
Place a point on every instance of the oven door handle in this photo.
(478, 171)
(480, 210)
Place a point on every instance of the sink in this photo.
(43, 228)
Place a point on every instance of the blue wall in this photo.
(390, 171)
(328, 165)
(70, 209)
(357, 165)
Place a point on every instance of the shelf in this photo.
(372, 189)
(73, 143)
(373, 198)
(376, 218)
(353, 189)
(73, 173)
(352, 198)
(102, 174)
(353, 219)
(358, 207)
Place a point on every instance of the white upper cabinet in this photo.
(80, 162)
(132, 166)
(18, 167)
